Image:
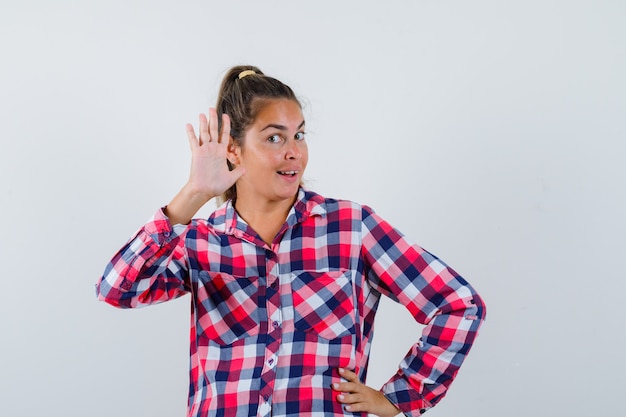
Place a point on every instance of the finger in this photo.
(204, 130)
(236, 173)
(347, 387)
(349, 404)
(225, 134)
(191, 135)
(356, 408)
(213, 125)
(348, 375)
(350, 398)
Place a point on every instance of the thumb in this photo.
(237, 173)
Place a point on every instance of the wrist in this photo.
(186, 204)
(196, 195)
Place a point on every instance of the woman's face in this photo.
(274, 153)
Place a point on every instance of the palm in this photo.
(210, 175)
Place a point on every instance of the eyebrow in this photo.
(280, 127)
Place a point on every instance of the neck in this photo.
(266, 218)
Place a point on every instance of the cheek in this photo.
(270, 162)
(305, 154)
(259, 160)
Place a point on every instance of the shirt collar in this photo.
(308, 204)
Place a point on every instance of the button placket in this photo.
(265, 407)
(274, 333)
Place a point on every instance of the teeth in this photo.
(287, 172)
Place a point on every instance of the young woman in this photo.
(285, 283)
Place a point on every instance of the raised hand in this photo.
(358, 397)
(209, 176)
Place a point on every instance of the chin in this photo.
(287, 194)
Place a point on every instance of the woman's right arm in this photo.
(152, 266)
(149, 269)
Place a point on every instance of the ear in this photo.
(233, 151)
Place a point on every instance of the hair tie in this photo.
(246, 73)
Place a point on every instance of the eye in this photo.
(274, 139)
(299, 136)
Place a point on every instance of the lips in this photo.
(288, 173)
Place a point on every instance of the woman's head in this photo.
(244, 92)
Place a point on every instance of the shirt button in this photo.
(271, 362)
(274, 284)
(275, 323)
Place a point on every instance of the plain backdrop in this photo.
(492, 133)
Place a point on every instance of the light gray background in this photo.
(490, 132)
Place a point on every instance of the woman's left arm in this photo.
(437, 297)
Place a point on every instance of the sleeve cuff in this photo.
(161, 230)
(405, 397)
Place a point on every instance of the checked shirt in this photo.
(271, 324)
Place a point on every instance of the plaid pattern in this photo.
(271, 324)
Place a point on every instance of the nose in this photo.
(292, 150)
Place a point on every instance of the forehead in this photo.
(282, 112)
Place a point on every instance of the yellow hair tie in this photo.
(246, 73)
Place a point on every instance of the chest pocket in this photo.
(323, 303)
(228, 308)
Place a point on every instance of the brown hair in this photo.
(243, 93)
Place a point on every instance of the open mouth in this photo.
(288, 173)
